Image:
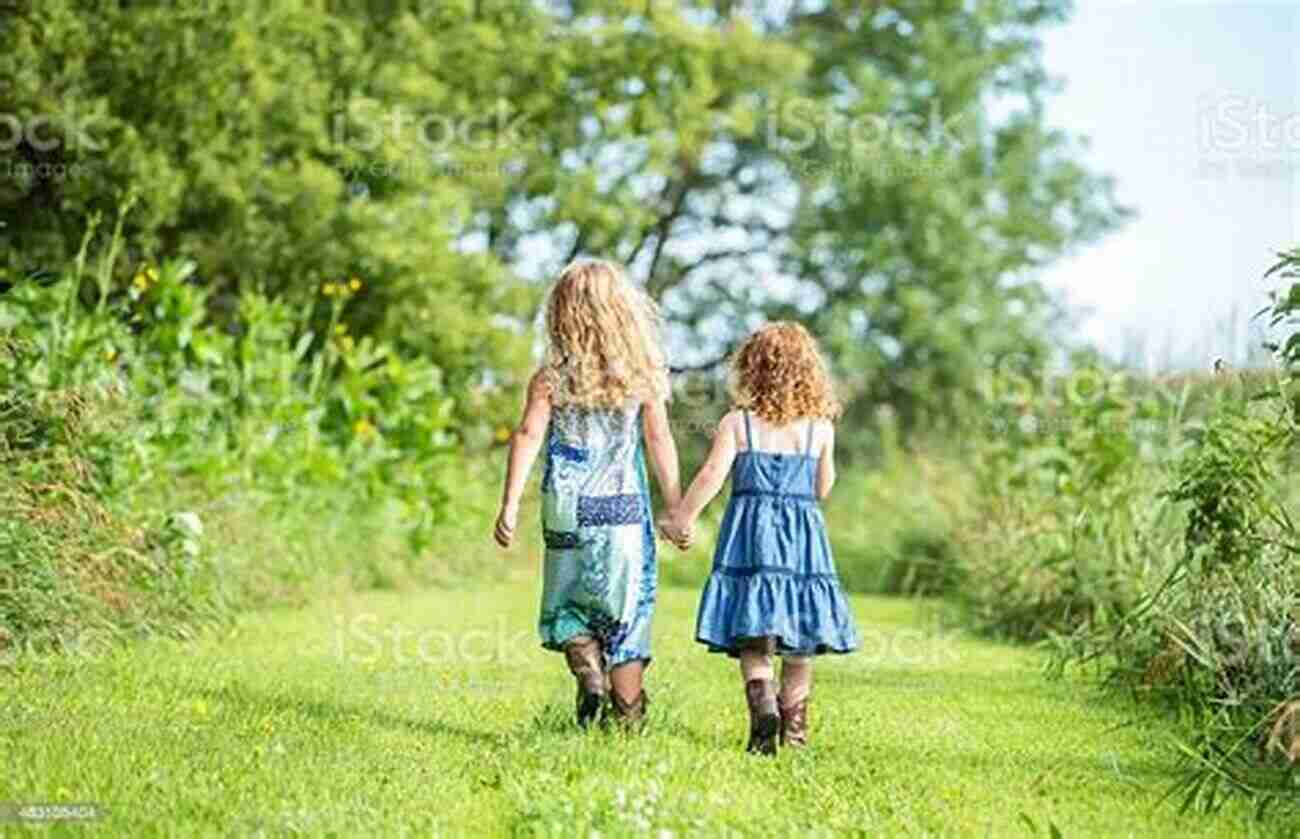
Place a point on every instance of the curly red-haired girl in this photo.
(773, 589)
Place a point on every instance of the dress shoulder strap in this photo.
(749, 432)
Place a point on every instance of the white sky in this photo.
(1170, 94)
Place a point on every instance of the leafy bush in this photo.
(1063, 533)
(124, 401)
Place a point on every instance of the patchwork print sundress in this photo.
(773, 572)
(599, 577)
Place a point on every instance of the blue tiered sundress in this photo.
(599, 576)
(773, 571)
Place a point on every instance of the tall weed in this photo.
(1218, 640)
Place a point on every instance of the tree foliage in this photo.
(882, 171)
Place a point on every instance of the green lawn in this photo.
(455, 723)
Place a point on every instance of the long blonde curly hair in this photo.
(779, 373)
(604, 339)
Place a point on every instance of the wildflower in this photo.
(354, 284)
(363, 428)
(503, 434)
(152, 274)
(110, 354)
(328, 289)
(141, 281)
(340, 329)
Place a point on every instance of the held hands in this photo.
(677, 528)
(507, 523)
(673, 526)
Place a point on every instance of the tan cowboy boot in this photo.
(630, 716)
(586, 664)
(794, 724)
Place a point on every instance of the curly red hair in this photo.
(779, 373)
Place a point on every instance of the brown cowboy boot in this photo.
(794, 723)
(764, 720)
(630, 716)
(585, 663)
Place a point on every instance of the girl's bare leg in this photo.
(756, 664)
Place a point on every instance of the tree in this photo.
(278, 145)
(840, 163)
(883, 172)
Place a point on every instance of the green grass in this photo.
(304, 722)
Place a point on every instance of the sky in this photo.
(1194, 108)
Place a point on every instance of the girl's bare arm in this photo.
(712, 475)
(826, 465)
(525, 444)
(662, 449)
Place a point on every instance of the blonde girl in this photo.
(773, 589)
(597, 404)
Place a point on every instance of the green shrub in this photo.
(134, 429)
(1064, 531)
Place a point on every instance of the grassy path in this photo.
(354, 718)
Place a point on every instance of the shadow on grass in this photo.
(327, 711)
(1048, 769)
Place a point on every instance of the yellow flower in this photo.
(327, 289)
(110, 354)
(354, 284)
(503, 434)
(363, 428)
(141, 281)
(340, 329)
(151, 273)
